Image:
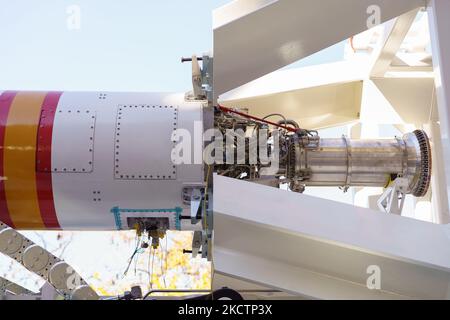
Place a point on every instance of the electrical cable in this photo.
(138, 242)
(229, 110)
(151, 266)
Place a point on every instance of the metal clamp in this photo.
(196, 202)
(393, 199)
(348, 177)
(402, 143)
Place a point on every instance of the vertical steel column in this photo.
(439, 21)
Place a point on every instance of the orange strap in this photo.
(20, 160)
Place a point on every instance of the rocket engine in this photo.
(304, 159)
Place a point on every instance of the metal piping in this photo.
(370, 163)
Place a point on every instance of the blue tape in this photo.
(117, 211)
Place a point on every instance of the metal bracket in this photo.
(393, 198)
(194, 196)
(197, 79)
(201, 78)
(196, 202)
(196, 243)
(348, 176)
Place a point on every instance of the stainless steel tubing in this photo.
(348, 162)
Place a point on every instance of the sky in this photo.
(118, 45)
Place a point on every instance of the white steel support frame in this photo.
(438, 182)
(317, 248)
(439, 22)
(395, 32)
(245, 51)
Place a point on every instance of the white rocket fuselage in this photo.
(91, 160)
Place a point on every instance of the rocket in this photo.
(95, 160)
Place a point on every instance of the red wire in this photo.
(228, 110)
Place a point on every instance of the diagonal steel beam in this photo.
(394, 35)
(324, 249)
(439, 21)
(41, 262)
(8, 286)
(273, 34)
